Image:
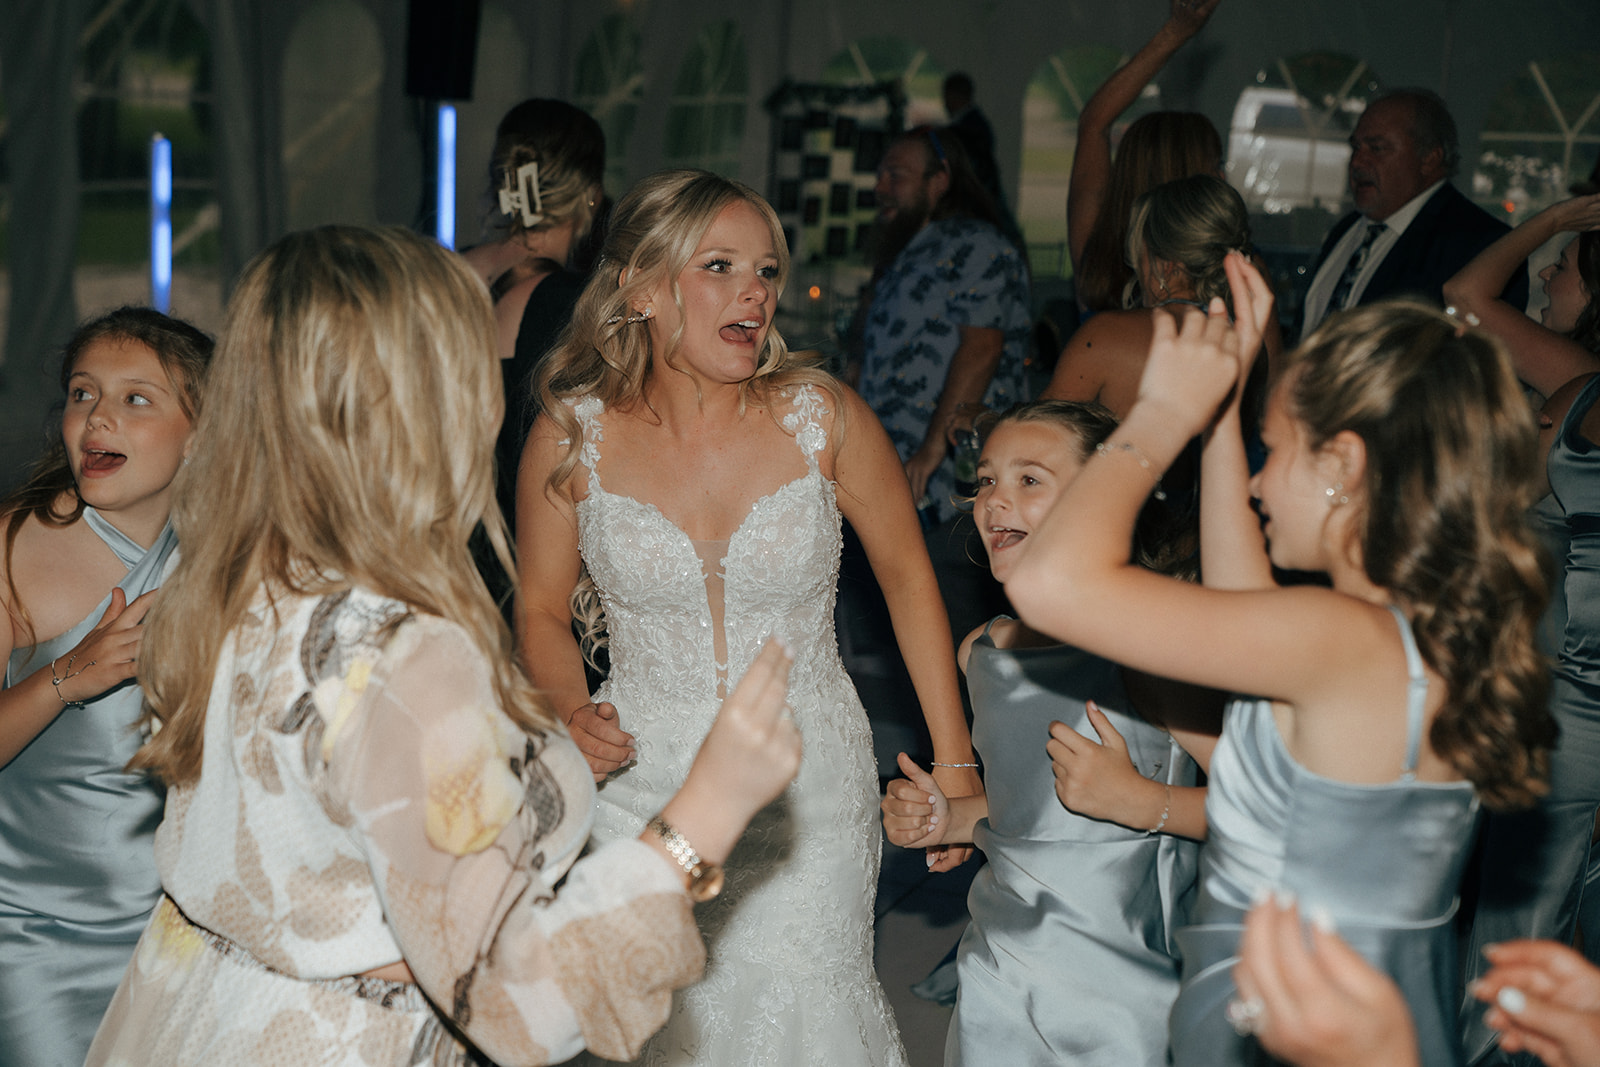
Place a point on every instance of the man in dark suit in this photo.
(1411, 230)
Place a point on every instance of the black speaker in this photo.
(441, 48)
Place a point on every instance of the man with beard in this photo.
(948, 327)
(946, 334)
(1415, 229)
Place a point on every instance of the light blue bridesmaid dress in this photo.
(77, 870)
(1383, 860)
(1069, 957)
(1535, 864)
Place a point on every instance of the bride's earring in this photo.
(1336, 495)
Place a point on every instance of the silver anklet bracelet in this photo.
(1104, 449)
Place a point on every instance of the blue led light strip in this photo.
(160, 223)
(445, 206)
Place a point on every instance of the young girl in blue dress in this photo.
(1401, 462)
(86, 543)
(1069, 956)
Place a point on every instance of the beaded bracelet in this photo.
(936, 763)
(1166, 813)
(1104, 449)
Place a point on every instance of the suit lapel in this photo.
(1401, 262)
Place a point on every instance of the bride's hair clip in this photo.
(521, 194)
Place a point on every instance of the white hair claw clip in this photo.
(523, 196)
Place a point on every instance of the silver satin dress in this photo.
(1540, 870)
(77, 866)
(1069, 957)
(1384, 861)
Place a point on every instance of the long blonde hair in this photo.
(1450, 475)
(347, 440)
(606, 352)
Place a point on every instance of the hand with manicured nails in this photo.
(916, 813)
(1321, 1003)
(1545, 999)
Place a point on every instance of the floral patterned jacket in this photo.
(363, 799)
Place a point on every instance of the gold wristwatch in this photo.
(705, 879)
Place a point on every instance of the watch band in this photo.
(705, 879)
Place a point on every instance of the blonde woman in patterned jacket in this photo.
(370, 854)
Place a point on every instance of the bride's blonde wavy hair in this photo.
(346, 440)
(653, 234)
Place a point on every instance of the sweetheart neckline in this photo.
(595, 486)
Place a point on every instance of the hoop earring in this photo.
(1336, 495)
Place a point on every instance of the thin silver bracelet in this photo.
(1166, 813)
(1137, 453)
(936, 763)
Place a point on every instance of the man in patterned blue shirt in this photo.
(949, 326)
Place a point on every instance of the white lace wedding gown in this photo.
(790, 977)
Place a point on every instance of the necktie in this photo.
(1352, 269)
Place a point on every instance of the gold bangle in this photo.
(1104, 449)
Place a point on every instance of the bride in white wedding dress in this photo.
(698, 471)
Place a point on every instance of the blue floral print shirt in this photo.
(955, 272)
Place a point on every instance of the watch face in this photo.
(705, 882)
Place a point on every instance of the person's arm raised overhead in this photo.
(1544, 358)
(1091, 160)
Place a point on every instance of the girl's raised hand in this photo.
(1253, 305)
(1099, 780)
(1189, 16)
(1580, 214)
(1192, 367)
(108, 653)
(915, 811)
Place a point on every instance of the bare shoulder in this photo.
(1103, 359)
(842, 414)
(60, 573)
(546, 448)
(1112, 328)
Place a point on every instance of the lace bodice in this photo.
(669, 635)
(791, 982)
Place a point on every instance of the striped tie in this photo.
(1352, 269)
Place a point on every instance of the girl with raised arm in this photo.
(1401, 465)
(86, 544)
(1159, 147)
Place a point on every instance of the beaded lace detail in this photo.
(791, 978)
